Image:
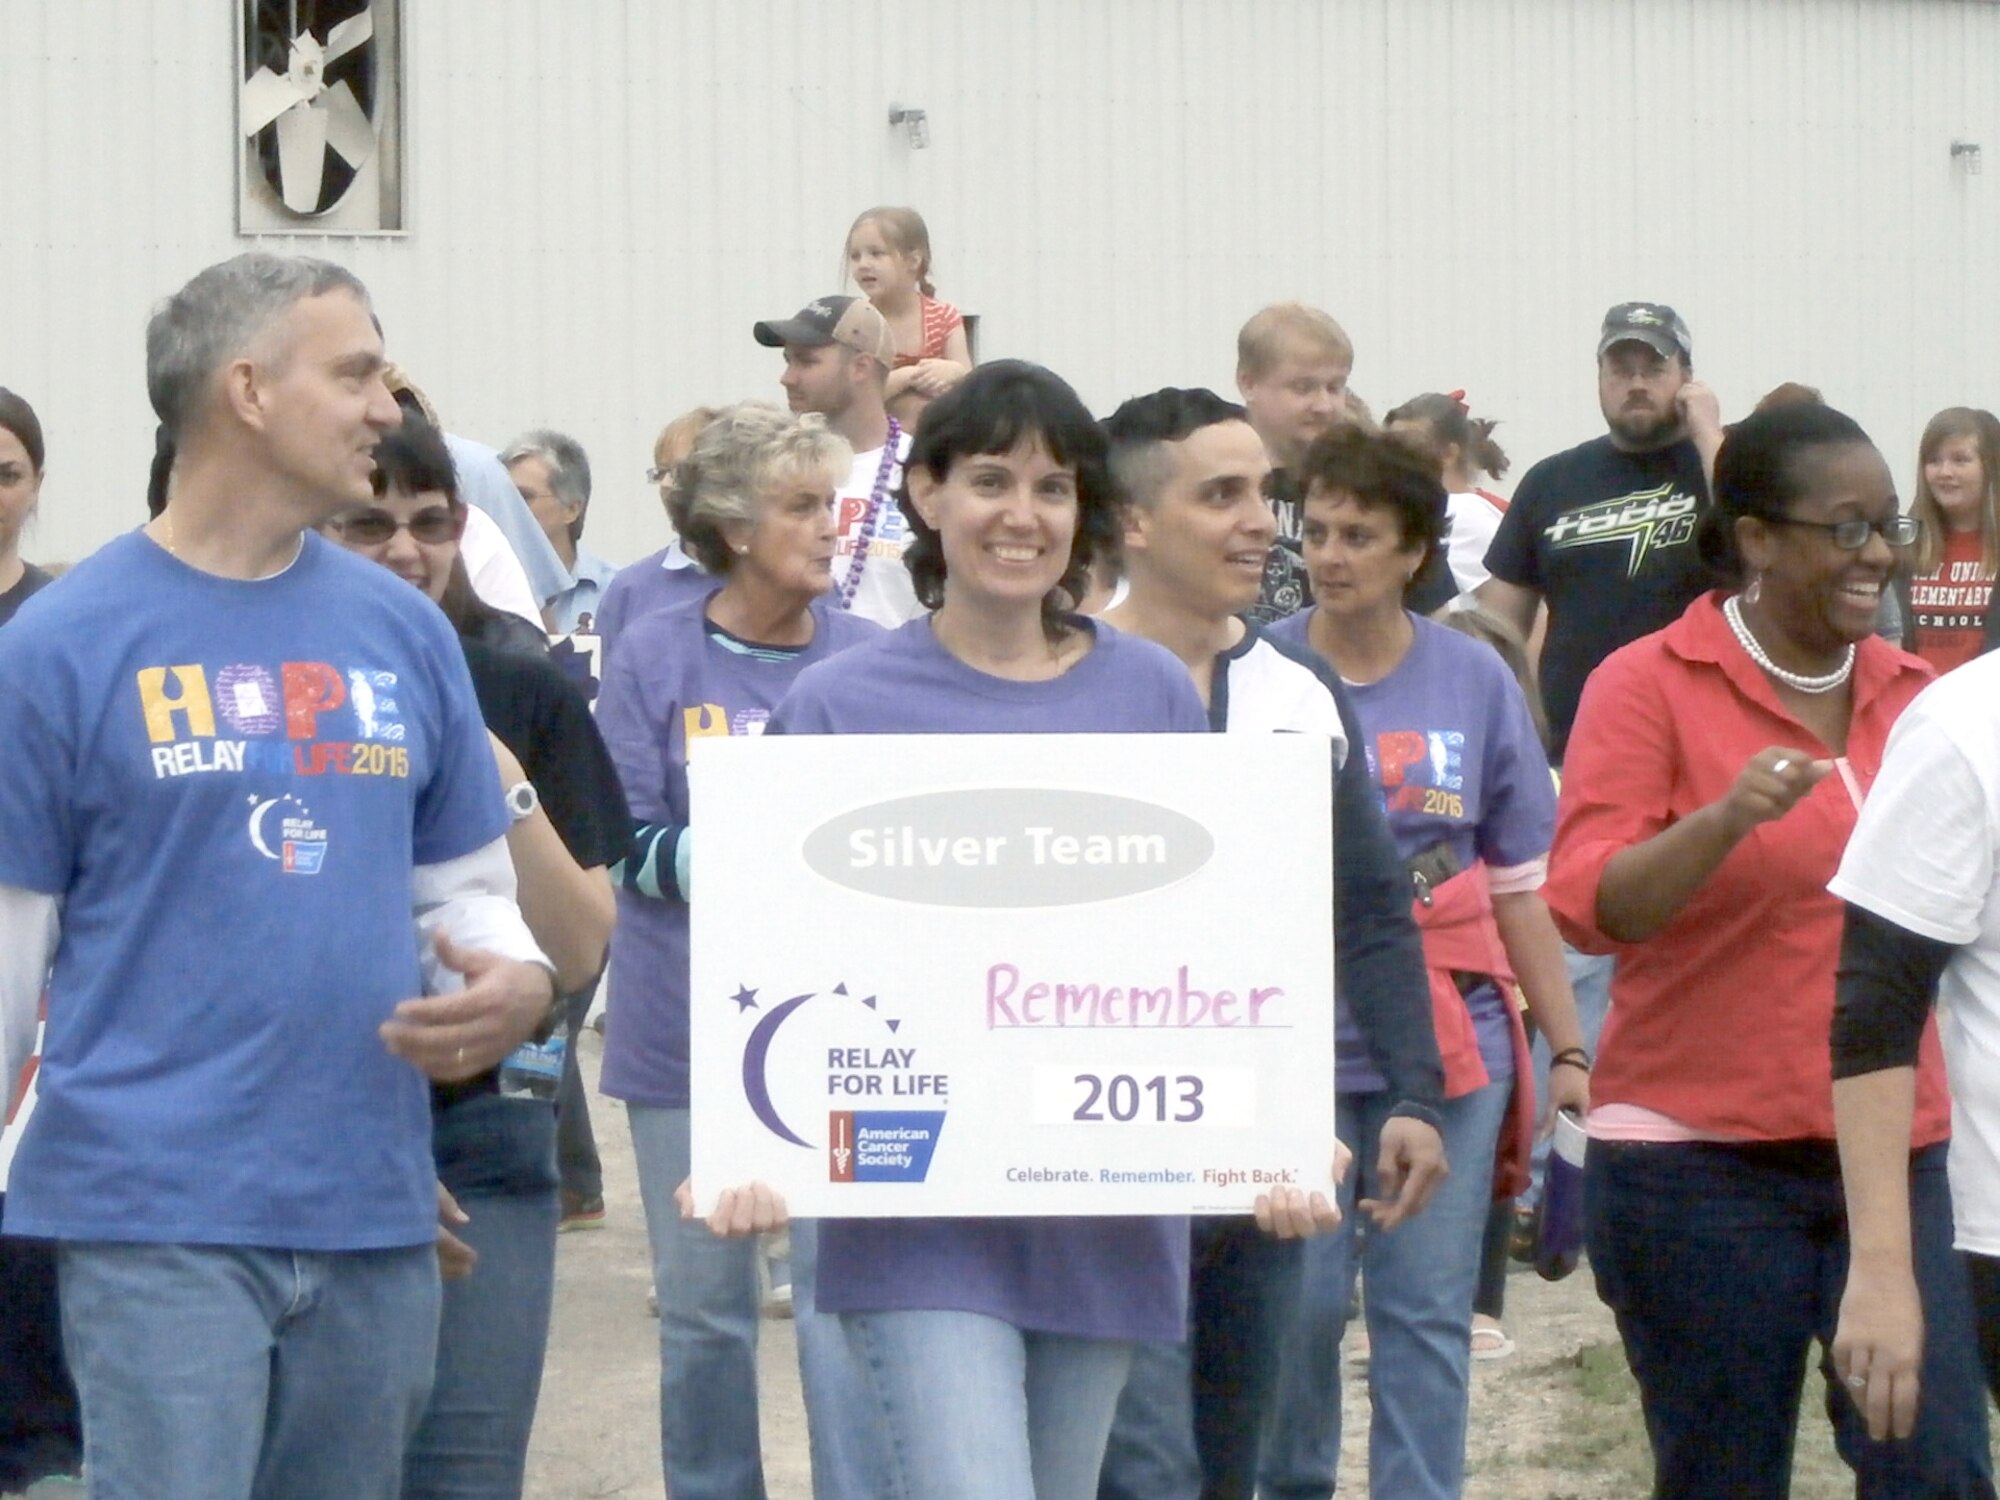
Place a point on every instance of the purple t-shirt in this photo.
(675, 680)
(1453, 750)
(648, 586)
(1117, 1278)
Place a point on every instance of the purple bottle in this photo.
(1559, 1243)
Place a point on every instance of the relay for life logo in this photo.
(876, 1079)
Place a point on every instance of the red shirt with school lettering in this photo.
(1950, 604)
(1722, 1020)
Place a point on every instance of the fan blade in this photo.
(266, 95)
(307, 64)
(348, 129)
(349, 34)
(301, 157)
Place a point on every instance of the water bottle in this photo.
(533, 1070)
(1559, 1243)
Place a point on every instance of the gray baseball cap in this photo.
(1653, 324)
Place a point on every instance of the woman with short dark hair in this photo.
(1713, 779)
(1453, 749)
(494, 1135)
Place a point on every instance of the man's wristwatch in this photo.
(523, 801)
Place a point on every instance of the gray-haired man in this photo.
(250, 812)
(552, 473)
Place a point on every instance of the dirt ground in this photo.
(1556, 1421)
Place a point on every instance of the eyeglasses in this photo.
(372, 526)
(1852, 536)
(659, 473)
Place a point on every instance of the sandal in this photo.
(1490, 1341)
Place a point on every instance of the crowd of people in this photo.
(336, 788)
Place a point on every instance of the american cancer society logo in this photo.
(835, 1046)
(881, 1145)
(299, 845)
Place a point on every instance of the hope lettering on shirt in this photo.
(1420, 771)
(891, 529)
(706, 719)
(249, 717)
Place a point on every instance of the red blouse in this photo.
(1721, 1020)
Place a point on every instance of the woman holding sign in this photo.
(997, 1348)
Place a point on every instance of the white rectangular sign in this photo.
(1012, 974)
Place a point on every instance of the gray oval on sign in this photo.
(1008, 846)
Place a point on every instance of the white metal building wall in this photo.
(604, 194)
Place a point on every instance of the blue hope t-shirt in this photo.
(229, 783)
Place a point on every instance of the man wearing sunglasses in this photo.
(252, 836)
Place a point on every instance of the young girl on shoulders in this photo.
(889, 258)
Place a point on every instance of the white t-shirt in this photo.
(1270, 692)
(1923, 856)
(884, 592)
(1474, 519)
(496, 573)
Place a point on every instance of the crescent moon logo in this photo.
(756, 1088)
(257, 826)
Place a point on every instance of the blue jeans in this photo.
(1723, 1265)
(709, 1443)
(235, 1373)
(498, 1158)
(850, 1451)
(1420, 1278)
(1188, 1421)
(977, 1409)
(1590, 978)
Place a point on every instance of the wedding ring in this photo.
(1857, 1382)
(1780, 765)
(461, 1057)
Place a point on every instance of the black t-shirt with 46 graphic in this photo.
(1607, 538)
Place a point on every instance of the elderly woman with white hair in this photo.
(753, 503)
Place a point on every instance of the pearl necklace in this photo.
(1732, 611)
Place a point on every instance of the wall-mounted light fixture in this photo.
(1966, 154)
(917, 126)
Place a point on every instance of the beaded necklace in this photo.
(850, 584)
(1732, 611)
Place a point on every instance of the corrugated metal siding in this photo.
(604, 196)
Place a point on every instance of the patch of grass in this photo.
(1599, 1446)
(1599, 1443)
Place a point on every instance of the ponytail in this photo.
(1489, 455)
